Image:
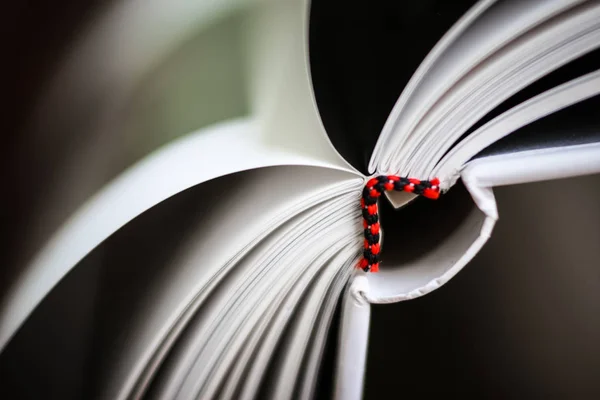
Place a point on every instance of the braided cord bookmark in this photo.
(368, 203)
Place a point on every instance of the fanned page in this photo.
(506, 47)
(169, 272)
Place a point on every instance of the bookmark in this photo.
(368, 203)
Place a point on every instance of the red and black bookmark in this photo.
(368, 203)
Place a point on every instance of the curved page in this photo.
(310, 319)
(446, 253)
(430, 60)
(499, 24)
(254, 289)
(185, 163)
(319, 340)
(280, 88)
(205, 258)
(353, 341)
(356, 78)
(262, 371)
(532, 56)
(538, 107)
(534, 165)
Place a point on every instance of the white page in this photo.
(240, 278)
(353, 340)
(313, 360)
(281, 94)
(481, 175)
(185, 163)
(324, 237)
(496, 26)
(432, 57)
(433, 268)
(205, 255)
(292, 353)
(258, 366)
(528, 58)
(287, 304)
(535, 108)
(533, 165)
(234, 378)
(200, 322)
(188, 267)
(252, 283)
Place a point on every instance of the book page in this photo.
(533, 55)
(538, 107)
(280, 88)
(353, 340)
(534, 165)
(312, 362)
(496, 26)
(299, 269)
(185, 163)
(206, 257)
(439, 259)
(308, 332)
(159, 271)
(257, 285)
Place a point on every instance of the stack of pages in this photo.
(197, 219)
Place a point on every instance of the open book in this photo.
(209, 263)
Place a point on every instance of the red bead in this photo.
(375, 248)
(363, 263)
(375, 229)
(431, 193)
(409, 188)
(388, 186)
(372, 182)
(374, 193)
(414, 181)
(362, 203)
(375, 267)
(372, 209)
(366, 244)
(435, 181)
(394, 178)
(365, 224)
